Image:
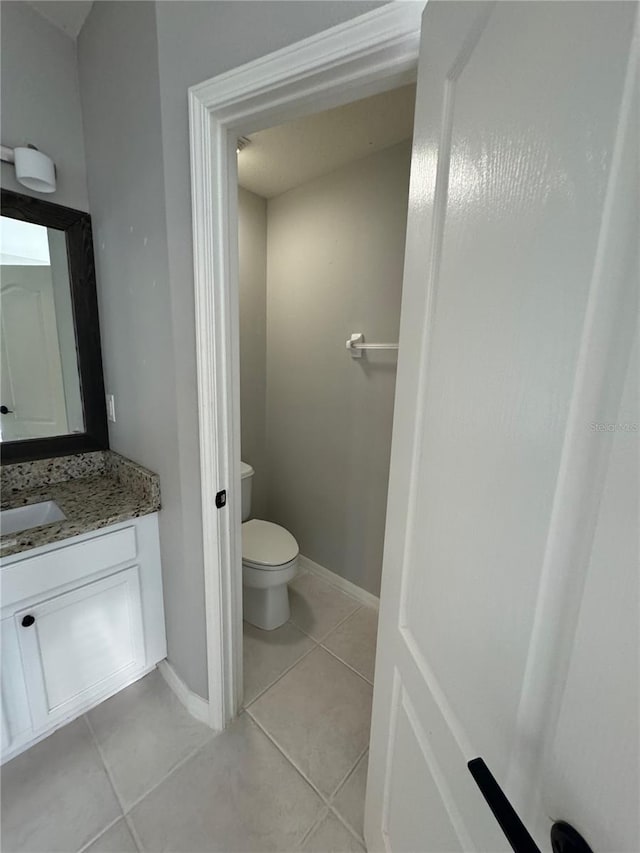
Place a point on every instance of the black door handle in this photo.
(5, 411)
(514, 829)
(28, 620)
(564, 838)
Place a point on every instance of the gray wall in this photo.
(40, 100)
(252, 245)
(141, 58)
(335, 252)
(118, 60)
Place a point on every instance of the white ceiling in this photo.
(67, 15)
(283, 157)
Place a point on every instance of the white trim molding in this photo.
(361, 595)
(369, 54)
(195, 705)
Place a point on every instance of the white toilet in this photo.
(269, 562)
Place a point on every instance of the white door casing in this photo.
(366, 55)
(510, 548)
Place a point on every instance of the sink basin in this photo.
(32, 515)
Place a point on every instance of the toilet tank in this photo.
(246, 478)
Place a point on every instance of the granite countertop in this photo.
(93, 490)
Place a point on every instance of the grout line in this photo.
(126, 811)
(324, 812)
(300, 772)
(352, 668)
(134, 833)
(334, 808)
(348, 775)
(175, 767)
(347, 826)
(284, 672)
(101, 833)
(317, 643)
(306, 633)
(327, 799)
(132, 830)
(104, 764)
(335, 627)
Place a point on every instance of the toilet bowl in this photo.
(269, 562)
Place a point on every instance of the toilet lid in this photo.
(267, 544)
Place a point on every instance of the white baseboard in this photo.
(340, 583)
(195, 705)
(78, 711)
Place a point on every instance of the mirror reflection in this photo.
(39, 383)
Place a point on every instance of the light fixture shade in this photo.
(35, 170)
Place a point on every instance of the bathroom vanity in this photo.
(81, 593)
(80, 578)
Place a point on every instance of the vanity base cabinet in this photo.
(64, 650)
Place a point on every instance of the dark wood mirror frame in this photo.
(82, 277)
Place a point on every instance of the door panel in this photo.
(504, 361)
(32, 385)
(417, 813)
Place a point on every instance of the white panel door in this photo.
(80, 645)
(509, 615)
(31, 385)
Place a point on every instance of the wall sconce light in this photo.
(34, 170)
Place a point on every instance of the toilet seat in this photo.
(267, 546)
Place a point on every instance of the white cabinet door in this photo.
(16, 720)
(81, 645)
(509, 605)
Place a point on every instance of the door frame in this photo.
(369, 54)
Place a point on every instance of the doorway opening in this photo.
(322, 212)
(322, 209)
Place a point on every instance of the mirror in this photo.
(51, 384)
(39, 381)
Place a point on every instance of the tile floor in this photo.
(137, 773)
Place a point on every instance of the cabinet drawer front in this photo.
(80, 645)
(37, 575)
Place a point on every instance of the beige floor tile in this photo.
(117, 839)
(56, 796)
(238, 793)
(317, 607)
(319, 714)
(268, 653)
(330, 836)
(349, 800)
(143, 732)
(355, 641)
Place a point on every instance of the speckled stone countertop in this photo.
(93, 490)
